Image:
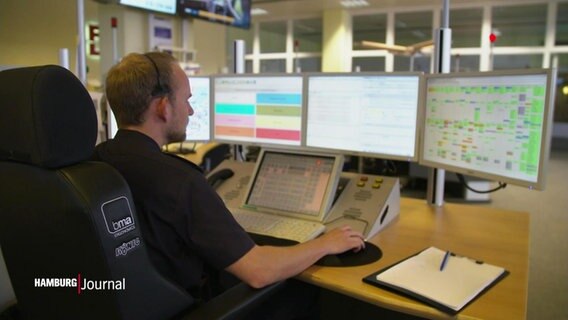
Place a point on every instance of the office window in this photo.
(308, 64)
(248, 66)
(561, 101)
(308, 35)
(370, 28)
(403, 63)
(517, 61)
(272, 37)
(519, 25)
(562, 24)
(412, 27)
(462, 63)
(272, 65)
(466, 27)
(369, 64)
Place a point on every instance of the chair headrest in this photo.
(48, 118)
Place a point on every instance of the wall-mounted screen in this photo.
(198, 128)
(374, 114)
(493, 125)
(258, 109)
(163, 6)
(235, 13)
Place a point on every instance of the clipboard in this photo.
(419, 277)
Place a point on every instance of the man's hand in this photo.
(342, 239)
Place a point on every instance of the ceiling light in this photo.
(354, 3)
(258, 11)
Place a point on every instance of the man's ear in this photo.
(160, 106)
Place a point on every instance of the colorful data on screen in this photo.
(487, 124)
(258, 109)
(198, 128)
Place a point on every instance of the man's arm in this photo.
(264, 265)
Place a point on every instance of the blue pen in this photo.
(445, 261)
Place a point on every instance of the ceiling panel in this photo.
(278, 9)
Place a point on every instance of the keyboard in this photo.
(278, 226)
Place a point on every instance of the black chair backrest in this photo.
(66, 222)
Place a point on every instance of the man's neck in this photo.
(156, 136)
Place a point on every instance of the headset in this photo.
(158, 90)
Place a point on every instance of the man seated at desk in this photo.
(190, 233)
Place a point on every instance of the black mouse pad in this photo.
(370, 254)
(263, 240)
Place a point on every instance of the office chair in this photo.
(64, 217)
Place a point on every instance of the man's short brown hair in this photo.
(132, 83)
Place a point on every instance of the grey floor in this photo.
(548, 252)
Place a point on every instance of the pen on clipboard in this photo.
(445, 261)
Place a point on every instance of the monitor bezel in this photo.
(327, 201)
(257, 143)
(540, 182)
(386, 156)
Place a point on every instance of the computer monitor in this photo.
(234, 13)
(372, 114)
(162, 6)
(492, 125)
(258, 109)
(299, 184)
(112, 125)
(198, 128)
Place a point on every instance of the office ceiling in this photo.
(290, 8)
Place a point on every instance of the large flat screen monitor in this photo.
(373, 114)
(258, 109)
(198, 128)
(493, 125)
(163, 6)
(235, 13)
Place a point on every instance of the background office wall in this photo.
(133, 36)
(210, 45)
(32, 32)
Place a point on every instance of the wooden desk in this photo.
(492, 235)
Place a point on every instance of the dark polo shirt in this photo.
(185, 224)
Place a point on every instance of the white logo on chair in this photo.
(118, 216)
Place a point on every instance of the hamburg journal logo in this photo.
(81, 284)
